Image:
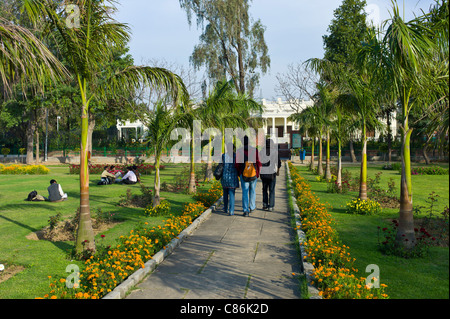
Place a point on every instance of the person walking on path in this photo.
(269, 171)
(248, 166)
(229, 180)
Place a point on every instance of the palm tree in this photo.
(414, 58)
(25, 59)
(341, 124)
(357, 91)
(324, 98)
(409, 47)
(224, 108)
(309, 122)
(161, 122)
(85, 48)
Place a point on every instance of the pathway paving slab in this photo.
(232, 257)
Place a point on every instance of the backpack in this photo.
(249, 173)
(31, 196)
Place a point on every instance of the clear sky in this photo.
(294, 30)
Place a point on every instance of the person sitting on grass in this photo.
(130, 177)
(106, 177)
(55, 192)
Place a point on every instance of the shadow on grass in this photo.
(63, 246)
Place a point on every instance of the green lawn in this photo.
(419, 278)
(18, 218)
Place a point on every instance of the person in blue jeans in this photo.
(229, 179)
(248, 188)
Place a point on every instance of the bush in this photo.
(363, 207)
(333, 187)
(23, 170)
(432, 170)
(193, 209)
(390, 246)
(160, 210)
(211, 196)
(5, 151)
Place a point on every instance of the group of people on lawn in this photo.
(56, 194)
(131, 177)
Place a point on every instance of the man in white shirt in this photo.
(130, 177)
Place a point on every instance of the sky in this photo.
(294, 30)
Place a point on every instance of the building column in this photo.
(285, 127)
(273, 125)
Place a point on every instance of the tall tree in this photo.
(411, 47)
(231, 43)
(85, 45)
(160, 122)
(346, 32)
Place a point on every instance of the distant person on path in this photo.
(269, 171)
(55, 192)
(130, 177)
(248, 166)
(106, 177)
(229, 180)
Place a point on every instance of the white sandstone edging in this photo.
(307, 268)
(121, 290)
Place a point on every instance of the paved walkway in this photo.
(232, 257)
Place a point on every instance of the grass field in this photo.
(418, 278)
(40, 259)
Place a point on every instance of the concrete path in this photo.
(232, 257)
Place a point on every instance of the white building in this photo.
(276, 114)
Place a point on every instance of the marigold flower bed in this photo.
(334, 273)
(16, 169)
(112, 265)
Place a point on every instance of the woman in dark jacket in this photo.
(229, 179)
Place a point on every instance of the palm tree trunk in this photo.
(339, 167)
(328, 164)
(320, 167)
(191, 187)
(424, 152)
(209, 172)
(85, 233)
(312, 165)
(91, 131)
(352, 152)
(37, 146)
(405, 232)
(157, 185)
(363, 176)
(30, 138)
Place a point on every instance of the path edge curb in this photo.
(307, 269)
(124, 287)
